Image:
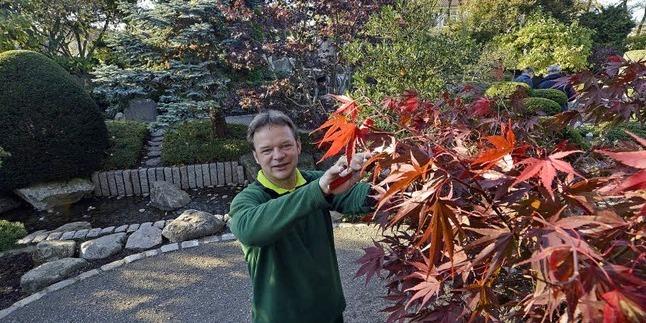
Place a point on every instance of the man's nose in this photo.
(278, 153)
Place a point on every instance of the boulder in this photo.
(167, 197)
(103, 247)
(50, 250)
(144, 110)
(283, 65)
(50, 273)
(145, 238)
(73, 226)
(192, 224)
(45, 196)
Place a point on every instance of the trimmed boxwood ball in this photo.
(506, 89)
(48, 123)
(552, 94)
(549, 107)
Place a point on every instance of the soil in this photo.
(103, 212)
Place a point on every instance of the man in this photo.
(282, 221)
(526, 77)
(549, 82)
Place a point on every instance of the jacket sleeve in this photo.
(354, 201)
(259, 223)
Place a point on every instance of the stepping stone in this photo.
(40, 237)
(158, 132)
(159, 224)
(54, 235)
(145, 238)
(121, 228)
(80, 234)
(68, 235)
(154, 153)
(153, 162)
(106, 230)
(145, 225)
(133, 228)
(103, 247)
(157, 139)
(93, 233)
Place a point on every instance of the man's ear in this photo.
(298, 146)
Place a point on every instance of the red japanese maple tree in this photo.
(482, 223)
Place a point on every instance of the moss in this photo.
(552, 94)
(533, 105)
(506, 89)
(127, 139)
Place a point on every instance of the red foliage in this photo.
(484, 224)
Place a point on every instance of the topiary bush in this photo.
(506, 89)
(48, 123)
(552, 94)
(127, 139)
(533, 105)
(9, 233)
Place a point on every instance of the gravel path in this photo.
(204, 284)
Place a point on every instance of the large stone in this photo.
(50, 273)
(141, 110)
(192, 224)
(73, 226)
(48, 195)
(103, 247)
(8, 203)
(166, 196)
(51, 250)
(145, 238)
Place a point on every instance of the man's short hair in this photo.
(270, 118)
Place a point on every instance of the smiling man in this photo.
(283, 222)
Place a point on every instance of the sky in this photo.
(637, 5)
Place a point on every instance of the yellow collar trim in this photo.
(264, 181)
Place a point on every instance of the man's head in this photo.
(276, 145)
(529, 71)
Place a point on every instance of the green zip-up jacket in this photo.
(288, 244)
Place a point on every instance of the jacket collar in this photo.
(266, 183)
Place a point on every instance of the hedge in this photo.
(506, 89)
(127, 140)
(553, 94)
(549, 107)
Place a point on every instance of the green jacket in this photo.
(289, 248)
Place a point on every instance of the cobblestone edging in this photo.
(137, 182)
(37, 237)
(170, 247)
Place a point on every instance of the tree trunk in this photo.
(448, 13)
(639, 28)
(218, 123)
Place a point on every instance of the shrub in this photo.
(506, 89)
(9, 233)
(636, 42)
(552, 94)
(533, 105)
(191, 142)
(127, 140)
(49, 124)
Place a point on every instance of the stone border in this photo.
(137, 182)
(170, 247)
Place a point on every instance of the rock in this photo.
(158, 132)
(73, 226)
(8, 203)
(167, 197)
(119, 116)
(283, 65)
(192, 224)
(47, 195)
(144, 110)
(154, 153)
(50, 273)
(51, 250)
(145, 238)
(103, 247)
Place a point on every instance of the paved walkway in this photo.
(208, 283)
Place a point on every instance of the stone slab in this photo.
(127, 182)
(191, 176)
(136, 185)
(80, 234)
(199, 178)
(103, 180)
(97, 184)
(159, 174)
(118, 177)
(184, 171)
(177, 179)
(132, 227)
(143, 181)
(112, 183)
(221, 179)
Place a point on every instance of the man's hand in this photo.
(341, 169)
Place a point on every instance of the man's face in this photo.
(276, 151)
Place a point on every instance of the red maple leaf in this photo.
(481, 107)
(503, 145)
(545, 169)
(348, 106)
